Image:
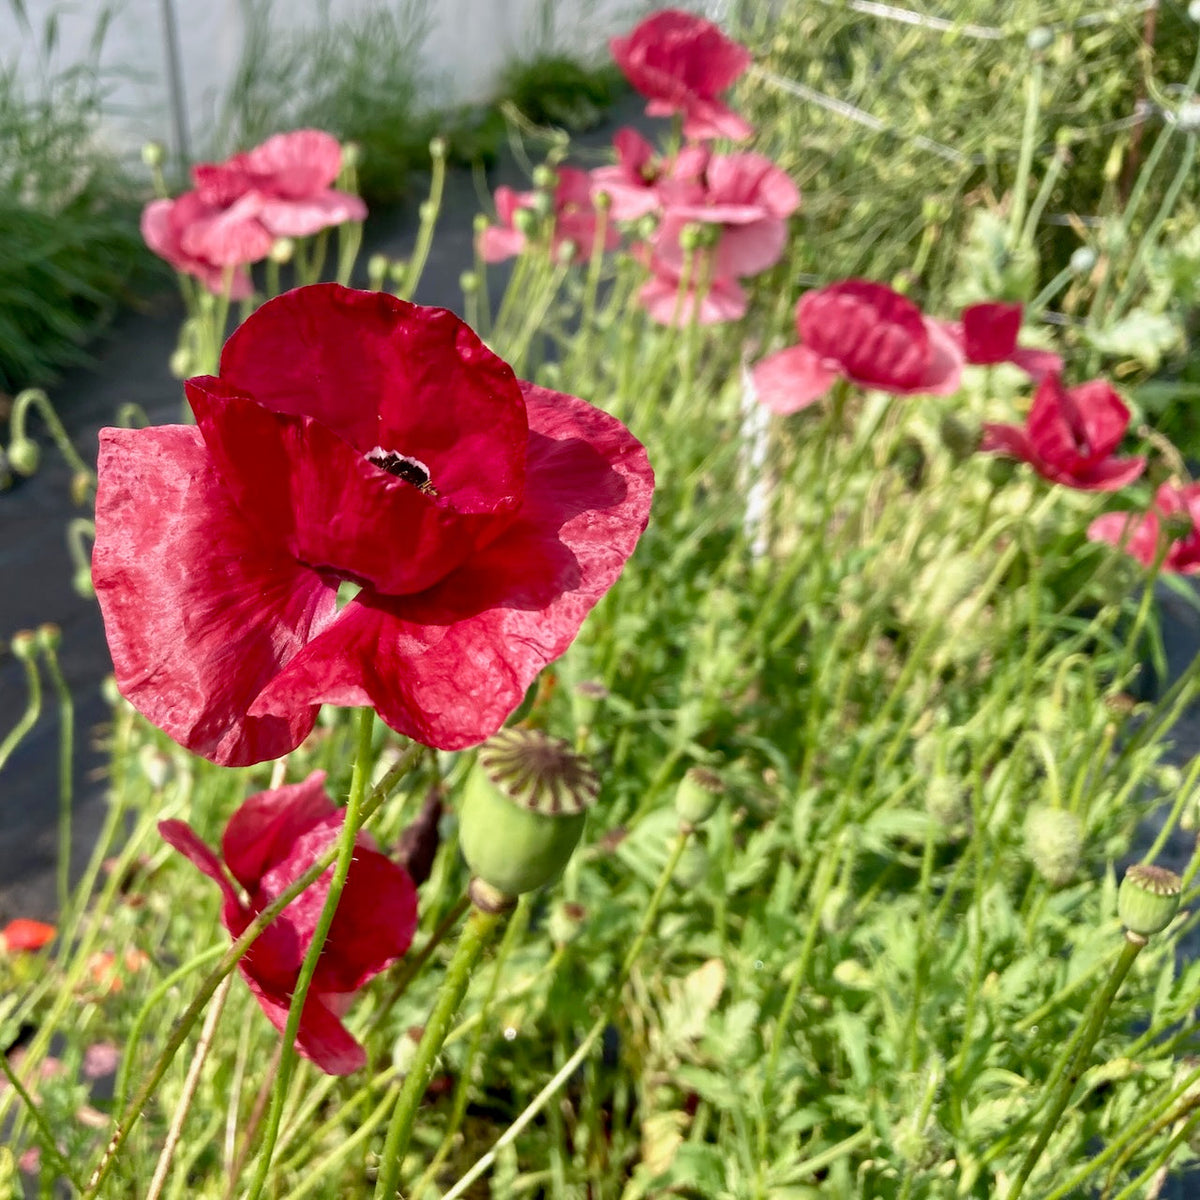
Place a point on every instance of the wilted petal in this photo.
(447, 666)
(199, 613)
(183, 838)
(321, 1038)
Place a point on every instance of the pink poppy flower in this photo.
(712, 303)
(636, 182)
(1175, 508)
(269, 843)
(1070, 435)
(988, 335)
(201, 239)
(680, 62)
(867, 334)
(290, 177)
(574, 219)
(352, 436)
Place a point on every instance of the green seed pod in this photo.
(1148, 899)
(1054, 843)
(698, 794)
(523, 810)
(24, 456)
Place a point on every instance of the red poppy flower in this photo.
(865, 333)
(1070, 435)
(707, 303)
(201, 239)
(26, 934)
(352, 436)
(1175, 508)
(988, 335)
(574, 219)
(680, 62)
(269, 843)
(288, 179)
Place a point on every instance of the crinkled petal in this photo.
(321, 1038)
(712, 119)
(307, 215)
(748, 249)
(1006, 439)
(792, 380)
(497, 243)
(329, 506)
(723, 300)
(229, 237)
(943, 372)
(447, 666)
(989, 332)
(199, 612)
(262, 831)
(1108, 475)
(383, 373)
(1104, 415)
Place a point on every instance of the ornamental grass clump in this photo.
(762, 841)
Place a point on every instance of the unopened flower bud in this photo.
(1083, 260)
(545, 177)
(352, 154)
(1193, 11)
(153, 154)
(565, 251)
(481, 223)
(944, 800)
(23, 644)
(698, 794)
(542, 204)
(961, 438)
(602, 200)
(24, 456)
(1177, 525)
(1148, 899)
(81, 584)
(282, 250)
(49, 637)
(180, 363)
(427, 212)
(692, 868)
(397, 270)
(81, 488)
(1039, 38)
(689, 237)
(646, 226)
(155, 765)
(523, 810)
(110, 692)
(525, 221)
(437, 147)
(1054, 844)
(377, 269)
(469, 282)
(1187, 117)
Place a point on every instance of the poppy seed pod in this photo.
(523, 810)
(698, 794)
(1148, 899)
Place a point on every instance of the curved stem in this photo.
(36, 398)
(429, 216)
(33, 707)
(66, 757)
(345, 854)
(1074, 1058)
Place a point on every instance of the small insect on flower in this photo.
(411, 470)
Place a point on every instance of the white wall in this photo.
(469, 44)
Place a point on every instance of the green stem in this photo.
(481, 927)
(33, 706)
(47, 1137)
(36, 398)
(601, 1023)
(66, 757)
(1033, 96)
(345, 854)
(181, 1028)
(1073, 1060)
(429, 216)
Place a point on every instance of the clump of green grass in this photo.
(553, 88)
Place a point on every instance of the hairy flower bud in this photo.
(282, 250)
(1039, 38)
(23, 644)
(698, 794)
(377, 269)
(525, 221)
(49, 637)
(469, 282)
(544, 177)
(81, 488)
(437, 147)
(1148, 899)
(960, 437)
(24, 456)
(153, 154)
(352, 154)
(1187, 117)
(1083, 260)
(1193, 11)
(1054, 844)
(81, 583)
(523, 810)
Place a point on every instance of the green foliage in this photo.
(555, 89)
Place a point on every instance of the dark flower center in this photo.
(403, 466)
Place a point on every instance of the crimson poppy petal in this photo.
(1037, 364)
(1136, 534)
(199, 613)
(184, 838)
(321, 1038)
(792, 380)
(989, 332)
(307, 490)
(264, 829)
(1007, 439)
(1108, 475)
(383, 373)
(448, 665)
(1105, 417)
